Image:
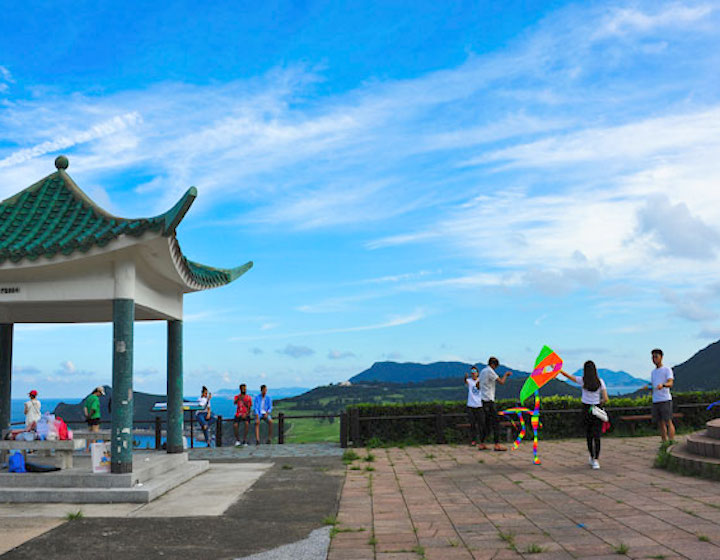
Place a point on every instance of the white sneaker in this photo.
(595, 464)
(590, 460)
(237, 443)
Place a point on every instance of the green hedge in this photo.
(555, 422)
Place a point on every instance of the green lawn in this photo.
(308, 430)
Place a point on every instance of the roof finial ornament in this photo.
(61, 162)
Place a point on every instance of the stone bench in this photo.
(633, 419)
(103, 435)
(62, 448)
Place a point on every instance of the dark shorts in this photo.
(93, 421)
(239, 419)
(662, 411)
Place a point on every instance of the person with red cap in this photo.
(32, 410)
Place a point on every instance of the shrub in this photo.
(561, 417)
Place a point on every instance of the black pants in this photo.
(593, 430)
(492, 422)
(477, 423)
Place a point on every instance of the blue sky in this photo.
(414, 181)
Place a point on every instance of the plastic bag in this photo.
(61, 429)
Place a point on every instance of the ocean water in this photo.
(220, 405)
(17, 406)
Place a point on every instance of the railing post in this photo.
(439, 425)
(343, 430)
(192, 431)
(158, 433)
(355, 426)
(218, 432)
(281, 428)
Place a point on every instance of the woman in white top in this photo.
(205, 417)
(594, 393)
(32, 411)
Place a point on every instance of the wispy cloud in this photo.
(622, 21)
(296, 351)
(340, 354)
(394, 322)
(102, 129)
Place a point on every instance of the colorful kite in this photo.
(546, 359)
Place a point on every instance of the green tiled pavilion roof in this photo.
(54, 217)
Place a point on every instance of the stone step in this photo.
(706, 466)
(146, 466)
(142, 493)
(713, 428)
(703, 445)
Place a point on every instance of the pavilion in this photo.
(63, 259)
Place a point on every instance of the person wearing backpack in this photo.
(594, 394)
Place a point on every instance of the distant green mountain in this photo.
(701, 372)
(618, 382)
(334, 398)
(142, 407)
(274, 392)
(410, 372)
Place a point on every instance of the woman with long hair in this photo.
(594, 393)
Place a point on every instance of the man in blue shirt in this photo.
(262, 408)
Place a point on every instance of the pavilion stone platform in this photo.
(153, 475)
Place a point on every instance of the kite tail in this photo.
(521, 433)
(535, 421)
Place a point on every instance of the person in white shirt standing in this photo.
(661, 381)
(594, 393)
(474, 406)
(488, 378)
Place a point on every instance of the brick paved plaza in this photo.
(454, 502)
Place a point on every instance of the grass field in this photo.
(308, 430)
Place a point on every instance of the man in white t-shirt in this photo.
(474, 406)
(661, 381)
(488, 378)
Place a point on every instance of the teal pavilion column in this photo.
(174, 387)
(6, 345)
(122, 394)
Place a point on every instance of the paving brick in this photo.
(460, 507)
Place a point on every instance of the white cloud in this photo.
(622, 21)
(67, 367)
(390, 323)
(104, 128)
(676, 231)
(296, 351)
(340, 355)
(623, 144)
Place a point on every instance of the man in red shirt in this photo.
(243, 402)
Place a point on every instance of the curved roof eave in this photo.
(54, 217)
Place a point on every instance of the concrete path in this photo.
(283, 506)
(208, 494)
(16, 531)
(314, 547)
(264, 452)
(450, 502)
